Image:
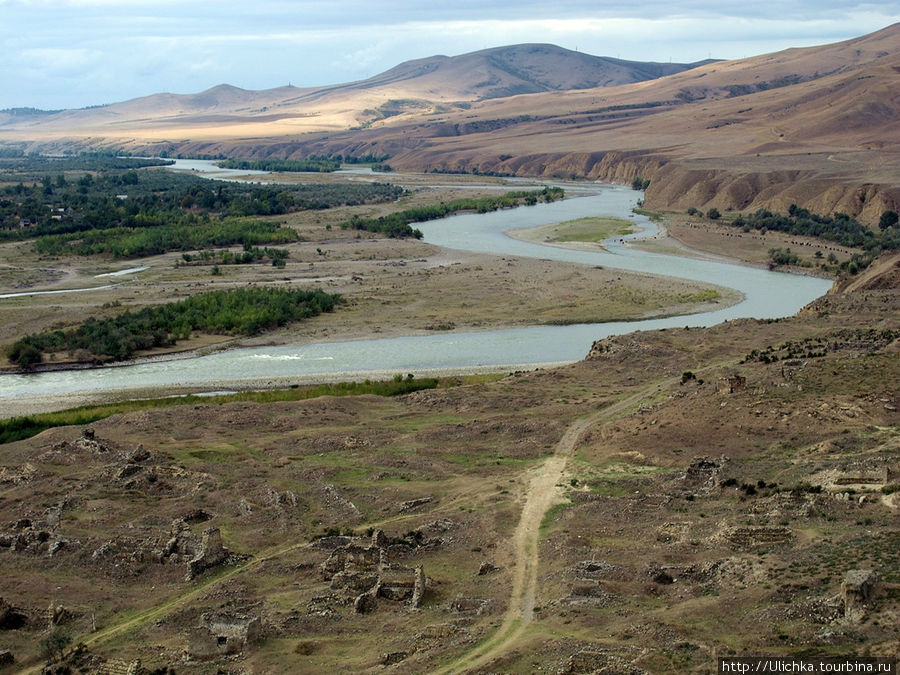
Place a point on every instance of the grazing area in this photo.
(254, 420)
(17, 428)
(664, 550)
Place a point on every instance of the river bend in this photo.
(766, 295)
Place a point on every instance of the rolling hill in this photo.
(413, 87)
(816, 126)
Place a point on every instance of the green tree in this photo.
(54, 644)
(783, 256)
(25, 355)
(888, 219)
(713, 214)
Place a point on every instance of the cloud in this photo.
(81, 52)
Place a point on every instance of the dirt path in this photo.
(542, 494)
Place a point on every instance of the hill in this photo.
(817, 126)
(415, 86)
(521, 69)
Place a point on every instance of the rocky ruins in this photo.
(223, 634)
(198, 554)
(361, 574)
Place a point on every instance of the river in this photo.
(766, 295)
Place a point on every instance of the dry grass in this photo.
(472, 449)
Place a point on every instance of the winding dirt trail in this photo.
(541, 495)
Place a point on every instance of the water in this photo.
(125, 272)
(766, 295)
(65, 290)
(208, 168)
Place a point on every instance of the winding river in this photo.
(766, 295)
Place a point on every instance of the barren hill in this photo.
(817, 126)
(522, 69)
(415, 86)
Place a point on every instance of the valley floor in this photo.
(674, 497)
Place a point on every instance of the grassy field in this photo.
(581, 231)
(274, 471)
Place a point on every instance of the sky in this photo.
(75, 53)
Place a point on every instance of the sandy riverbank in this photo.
(31, 405)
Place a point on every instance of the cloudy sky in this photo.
(75, 53)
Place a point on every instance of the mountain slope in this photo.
(523, 69)
(817, 126)
(414, 86)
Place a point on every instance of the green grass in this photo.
(608, 488)
(705, 295)
(550, 518)
(219, 454)
(19, 428)
(652, 215)
(416, 423)
(475, 460)
(592, 230)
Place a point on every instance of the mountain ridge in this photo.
(817, 126)
(486, 74)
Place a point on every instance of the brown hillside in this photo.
(817, 126)
(411, 87)
(881, 275)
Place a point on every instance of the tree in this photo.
(888, 219)
(25, 355)
(783, 256)
(713, 214)
(53, 646)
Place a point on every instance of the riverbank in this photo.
(696, 237)
(393, 288)
(30, 405)
(467, 297)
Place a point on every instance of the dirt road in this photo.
(542, 494)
